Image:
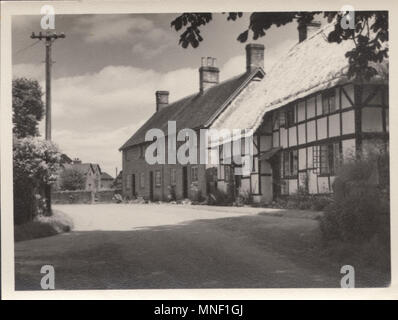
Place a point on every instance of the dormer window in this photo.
(328, 102)
(290, 116)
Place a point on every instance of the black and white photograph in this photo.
(196, 149)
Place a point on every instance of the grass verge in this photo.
(43, 226)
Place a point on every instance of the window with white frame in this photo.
(290, 163)
(328, 101)
(326, 158)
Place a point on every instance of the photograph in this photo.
(197, 150)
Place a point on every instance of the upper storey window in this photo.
(328, 102)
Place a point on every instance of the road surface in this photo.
(131, 246)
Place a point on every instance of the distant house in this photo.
(106, 181)
(91, 171)
(117, 182)
(65, 159)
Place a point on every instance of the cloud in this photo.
(146, 38)
(95, 113)
(94, 147)
(233, 67)
(237, 64)
(28, 70)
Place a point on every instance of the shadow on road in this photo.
(254, 251)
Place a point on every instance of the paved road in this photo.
(174, 246)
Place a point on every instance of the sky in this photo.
(108, 68)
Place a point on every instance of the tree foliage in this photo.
(36, 163)
(370, 33)
(27, 107)
(72, 179)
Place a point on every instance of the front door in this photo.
(133, 186)
(151, 185)
(184, 182)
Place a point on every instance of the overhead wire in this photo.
(27, 47)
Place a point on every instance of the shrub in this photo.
(360, 209)
(220, 198)
(304, 201)
(171, 196)
(244, 198)
(42, 226)
(320, 203)
(35, 165)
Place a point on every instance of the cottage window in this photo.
(328, 102)
(282, 119)
(158, 178)
(242, 146)
(290, 163)
(194, 174)
(275, 120)
(326, 158)
(227, 173)
(142, 180)
(173, 177)
(142, 151)
(290, 116)
(128, 181)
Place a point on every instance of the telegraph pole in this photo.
(50, 38)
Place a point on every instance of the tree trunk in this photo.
(47, 193)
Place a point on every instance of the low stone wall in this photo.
(104, 195)
(82, 196)
(66, 197)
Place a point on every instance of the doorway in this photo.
(185, 182)
(151, 185)
(133, 191)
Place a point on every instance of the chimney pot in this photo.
(302, 30)
(254, 56)
(208, 73)
(162, 99)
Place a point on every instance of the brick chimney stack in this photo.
(162, 99)
(208, 73)
(303, 29)
(254, 56)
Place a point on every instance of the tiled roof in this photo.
(194, 111)
(82, 167)
(106, 176)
